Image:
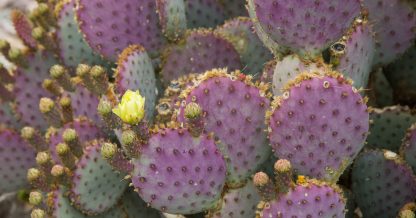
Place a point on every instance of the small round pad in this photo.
(234, 109)
(388, 126)
(111, 25)
(202, 50)
(319, 124)
(179, 173)
(382, 183)
(95, 186)
(73, 49)
(135, 72)
(16, 157)
(304, 26)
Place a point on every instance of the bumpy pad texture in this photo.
(239, 32)
(388, 127)
(111, 25)
(172, 17)
(288, 68)
(7, 116)
(234, 110)
(241, 202)
(402, 77)
(135, 207)
(16, 157)
(234, 8)
(202, 50)
(382, 183)
(381, 92)
(356, 62)
(394, 22)
(84, 103)
(204, 13)
(320, 124)
(408, 148)
(95, 186)
(307, 200)
(135, 72)
(306, 26)
(85, 129)
(23, 28)
(73, 49)
(28, 89)
(177, 173)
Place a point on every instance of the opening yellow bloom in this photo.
(131, 108)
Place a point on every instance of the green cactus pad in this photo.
(241, 202)
(135, 207)
(388, 126)
(95, 186)
(172, 18)
(354, 54)
(382, 183)
(73, 49)
(204, 13)
(402, 77)
(135, 72)
(289, 67)
(380, 90)
(408, 148)
(254, 55)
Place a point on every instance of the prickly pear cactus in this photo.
(382, 183)
(380, 90)
(388, 126)
(16, 157)
(322, 142)
(179, 173)
(295, 24)
(230, 102)
(408, 147)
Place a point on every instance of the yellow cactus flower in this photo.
(131, 108)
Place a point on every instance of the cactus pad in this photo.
(401, 75)
(241, 202)
(389, 126)
(382, 183)
(394, 23)
(135, 72)
(109, 26)
(7, 116)
(381, 92)
(234, 8)
(95, 186)
(28, 89)
(85, 129)
(308, 199)
(268, 71)
(84, 103)
(319, 124)
(291, 66)
(202, 50)
(296, 24)
(239, 32)
(178, 173)
(135, 207)
(172, 18)
(357, 53)
(73, 49)
(23, 28)
(408, 148)
(234, 110)
(204, 13)
(16, 157)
